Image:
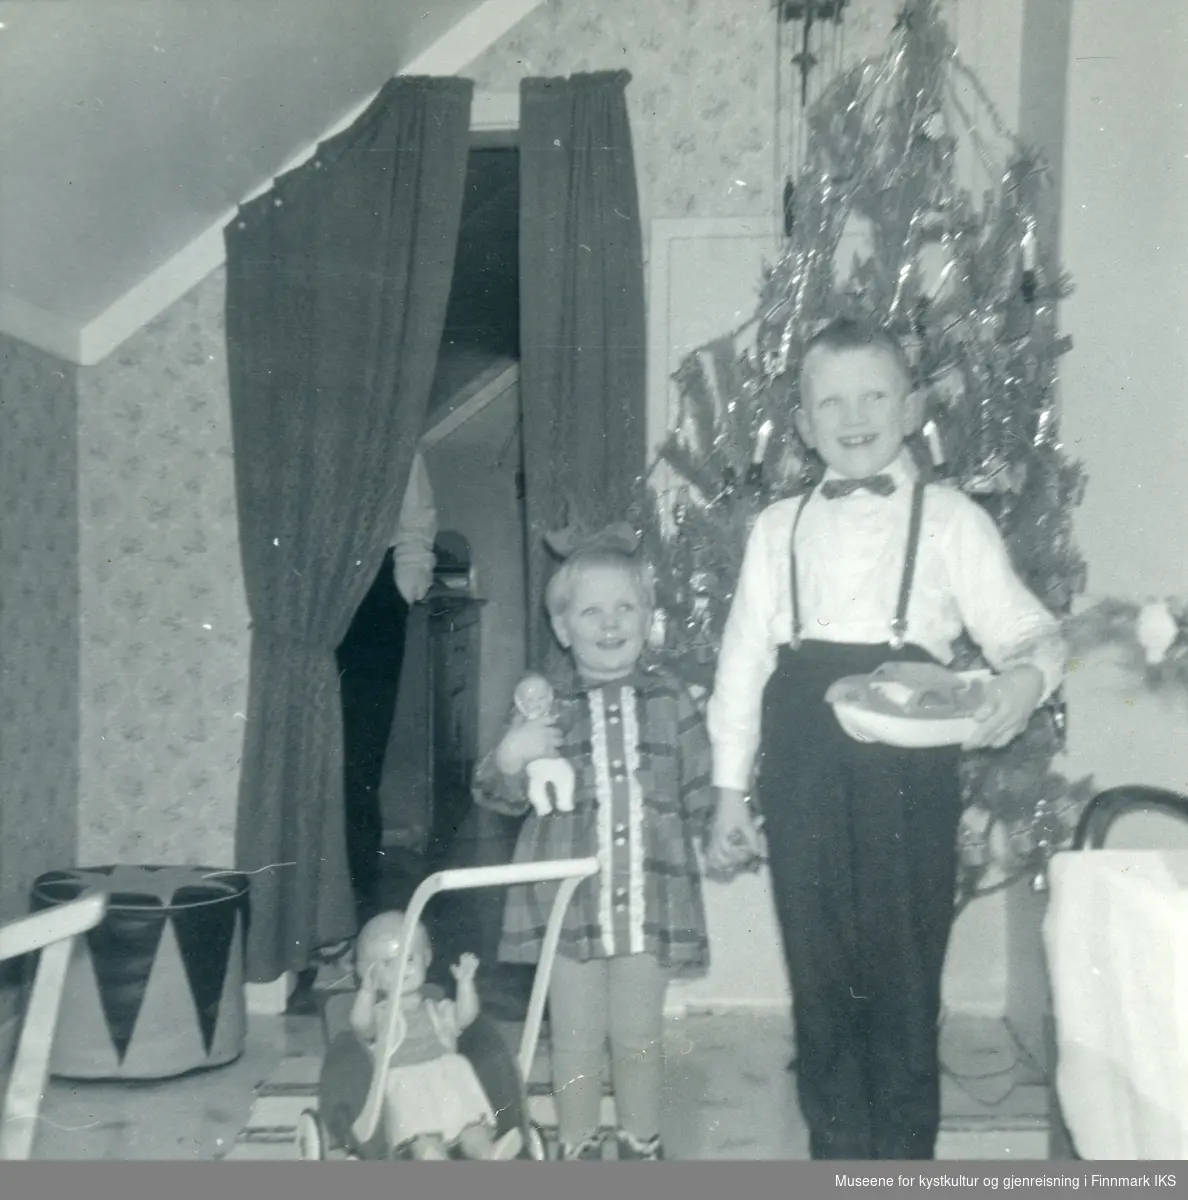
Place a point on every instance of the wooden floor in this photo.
(728, 1096)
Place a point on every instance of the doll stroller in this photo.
(348, 1124)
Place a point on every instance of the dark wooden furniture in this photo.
(433, 747)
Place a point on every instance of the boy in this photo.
(642, 799)
(869, 567)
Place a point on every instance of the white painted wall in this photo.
(1125, 181)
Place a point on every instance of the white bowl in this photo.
(911, 733)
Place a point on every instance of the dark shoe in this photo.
(302, 1002)
(633, 1149)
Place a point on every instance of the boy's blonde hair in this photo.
(560, 589)
(852, 333)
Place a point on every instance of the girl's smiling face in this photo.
(605, 624)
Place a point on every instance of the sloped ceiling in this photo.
(127, 127)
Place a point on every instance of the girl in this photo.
(641, 800)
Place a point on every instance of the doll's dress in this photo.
(432, 1089)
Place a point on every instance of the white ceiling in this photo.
(127, 127)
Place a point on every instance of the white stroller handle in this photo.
(568, 872)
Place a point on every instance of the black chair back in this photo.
(1106, 807)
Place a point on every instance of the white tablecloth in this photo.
(1116, 936)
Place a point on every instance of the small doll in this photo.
(434, 1101)
(550, 780)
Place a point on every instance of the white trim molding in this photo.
(487, 386)
(28, 323)
(450, 54)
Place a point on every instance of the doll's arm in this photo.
(466, 1000)
(363, 1014)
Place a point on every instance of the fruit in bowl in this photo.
(913, 705)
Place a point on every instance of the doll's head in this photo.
(600, 602)
(533, 697)
(857, 406)
(378, 947)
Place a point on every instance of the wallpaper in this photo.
(38, 619)
(702, 93)
(163, 615)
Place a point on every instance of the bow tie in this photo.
(881, 485)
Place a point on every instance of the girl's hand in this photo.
(733, 839)
(1011, 698)
(525, 741)
(465, 969)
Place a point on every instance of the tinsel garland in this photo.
(970, 287)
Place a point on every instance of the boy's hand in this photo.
(1010, 700)
(525, 741)
(733, 839)
(465, 969)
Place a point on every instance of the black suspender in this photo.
(899, 623)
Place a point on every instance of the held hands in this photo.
(734, 839)
(1011, 698)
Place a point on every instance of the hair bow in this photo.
(571, 540)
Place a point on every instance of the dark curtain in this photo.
(582, 334)
(337, 283)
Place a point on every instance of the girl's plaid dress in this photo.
(643, 798)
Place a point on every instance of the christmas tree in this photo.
(970, 288)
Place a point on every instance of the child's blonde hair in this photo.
(852, 333)
(561, 587)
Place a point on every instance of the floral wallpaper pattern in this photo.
(38, 619)
(164, 618)
(702, 92)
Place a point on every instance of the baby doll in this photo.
(533, 699)
(434, 1102)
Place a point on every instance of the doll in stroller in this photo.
(435, 1105)
(422, 1077)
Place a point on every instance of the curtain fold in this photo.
(583, 335)
(337, 285)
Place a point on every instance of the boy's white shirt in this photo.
(415, 534)
(850, 556)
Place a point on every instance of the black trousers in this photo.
(369, 662)
(862, 839)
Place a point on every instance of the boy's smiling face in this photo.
(856, 408)
(605, 624)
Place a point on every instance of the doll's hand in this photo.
(526, 741)
(465, 969)
(1011, 698)
(369, 981)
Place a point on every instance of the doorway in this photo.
(411, 730)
